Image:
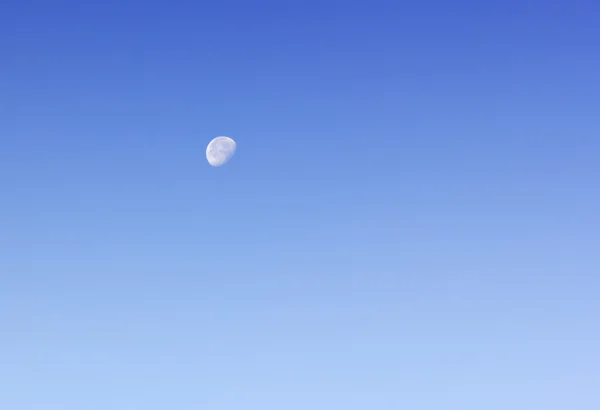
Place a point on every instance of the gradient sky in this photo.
(411, 219)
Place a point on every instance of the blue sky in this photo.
(410, 220)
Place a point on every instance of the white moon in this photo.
(220, 150)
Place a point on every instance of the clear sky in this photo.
(411, 219)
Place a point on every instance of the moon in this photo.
(220, 150)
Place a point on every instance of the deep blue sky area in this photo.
(411, 219)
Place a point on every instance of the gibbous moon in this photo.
(220, 150)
